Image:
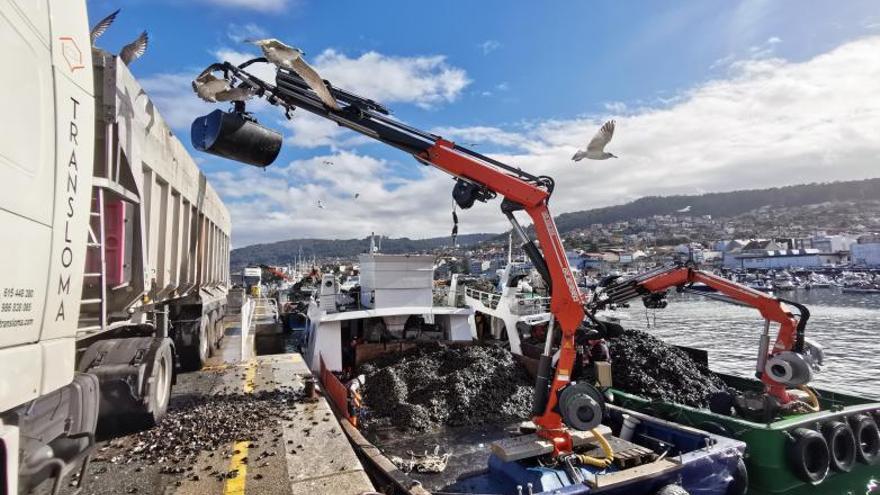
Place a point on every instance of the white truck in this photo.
(114, 248)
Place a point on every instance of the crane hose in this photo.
(813, 405)
(608, 452)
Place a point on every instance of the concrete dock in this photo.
(302, 451)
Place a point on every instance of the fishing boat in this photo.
(834, 450)
(862, 287)
(650, 456)
(817, 281)
(393, 309)
(834, 447)
(511, 315)
(625, 452)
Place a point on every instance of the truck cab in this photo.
(114, 247)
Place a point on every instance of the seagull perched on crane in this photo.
(596, 149)
(289, 57)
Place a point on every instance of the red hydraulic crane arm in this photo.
(479, 176)
(566, 301)
(771, 309)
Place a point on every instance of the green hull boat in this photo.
(807, 454)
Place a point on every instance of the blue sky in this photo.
(529, 82)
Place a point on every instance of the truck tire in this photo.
(158, 391)
(194, 357)
(219, 333)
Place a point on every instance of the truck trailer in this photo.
(115, 249)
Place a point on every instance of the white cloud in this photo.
(482, 134)
(767, 122)
(281, 202)
(617, 107)
(489, 46)
(258, 5)
(173, 96)
(264, 71)
(425, 80)
(239, 33)
(311, 131)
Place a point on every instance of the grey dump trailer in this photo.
(115, 248)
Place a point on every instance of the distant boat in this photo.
(861, 290)
(763, 286)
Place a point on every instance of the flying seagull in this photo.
(102, 26)
(320, 204)
(207, 86)
(288, 57)
(357, 195)
(213, 89)
(596, 149)
(135, 49)
(240, 93)
(685, 209)
(327, 162)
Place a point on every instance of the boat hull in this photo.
(769, 469)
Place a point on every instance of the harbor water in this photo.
(846, 325)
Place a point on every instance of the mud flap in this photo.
(122, 367)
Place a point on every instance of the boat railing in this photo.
(527, 304)
(488, 299)
(334, 389)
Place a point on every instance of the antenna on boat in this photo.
(510, 247)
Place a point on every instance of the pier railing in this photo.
(248, 305)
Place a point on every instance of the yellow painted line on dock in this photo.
(249, 374)
(236, 484)
(216, 367)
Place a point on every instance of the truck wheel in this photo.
(194, 357)
(158, 386)
(219, 333)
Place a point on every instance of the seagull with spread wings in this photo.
(207, 86)
(596, 149)
(288, 57)
(102, 26)
(135, 49)
(213, 89)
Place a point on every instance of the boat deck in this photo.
(469, 449)
(303, 451)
